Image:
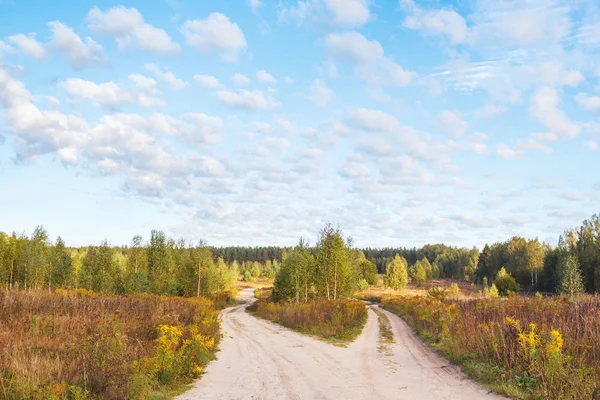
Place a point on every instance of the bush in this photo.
(329, 319)
(363, 285)
(454, 291)
(505, 283)
(438, 293)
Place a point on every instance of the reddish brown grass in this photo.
(341, 319)
(539, 347)
(79, 344)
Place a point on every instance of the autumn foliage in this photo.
(339, 319)
(80, 344)
(529, 347)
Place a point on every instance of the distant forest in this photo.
(168, 266)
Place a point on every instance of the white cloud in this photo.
(592, 145)
(353, 47)
(29, 45)
(107, 94)
(588, 102)
(349, 13)
(265, 77)
(516, 23)
(208, 81)
(247, 100)
(216, 33)
(372, 120)
(452, 123)
(80, 54)
(544, 108)
(299, 12)
(241, 79)
(572, 78)
(321, 95)
(144, 83)
(372, 66)
(127, 25)
(288, 80)
(490, 111)
(436, 22)
(167, 76)
(255, 5)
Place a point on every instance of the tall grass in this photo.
(81, 344)
(525, 347)
(341, 320)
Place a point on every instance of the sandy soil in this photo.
(262, 360)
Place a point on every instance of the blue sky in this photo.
(256, 122)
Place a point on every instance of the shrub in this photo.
(329, 319)
(438, 293)
(454, 291)
(505, 283)
(363, 285)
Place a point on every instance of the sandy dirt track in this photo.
(262, 360)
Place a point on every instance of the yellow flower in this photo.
(554, 346)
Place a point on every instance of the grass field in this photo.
(80, 344)
(524, 347)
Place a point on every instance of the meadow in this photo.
(77, 344)
(524, 347)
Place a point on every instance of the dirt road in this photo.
(262, 360)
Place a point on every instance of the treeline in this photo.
(162, 265)
(448, 261)
(575, 262)
(250, 254)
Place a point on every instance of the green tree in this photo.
(571, 282)
(161, 267)
(334, 266)
(62, 266)
(396, 273)
(418, 273)
(296, 274)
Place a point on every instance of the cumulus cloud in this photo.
(349, 13)
(108, 95)
(451, 123)
(28, 44)
(144, 83)
(215, 33)
(372, 66)
(80, 54)
(246, 100)
(372, 120)
(207, 81)
(264, 77)
(321, 95)
(544, 108)
(588, 102)
(167, 76)
(241, 79)
(445, 22)
(129, 28)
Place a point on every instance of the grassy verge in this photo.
(526, 348)
(337, 322)
(83, 345)
(386, 336)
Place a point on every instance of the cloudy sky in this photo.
(257, 121)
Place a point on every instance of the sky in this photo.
(255, 122)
